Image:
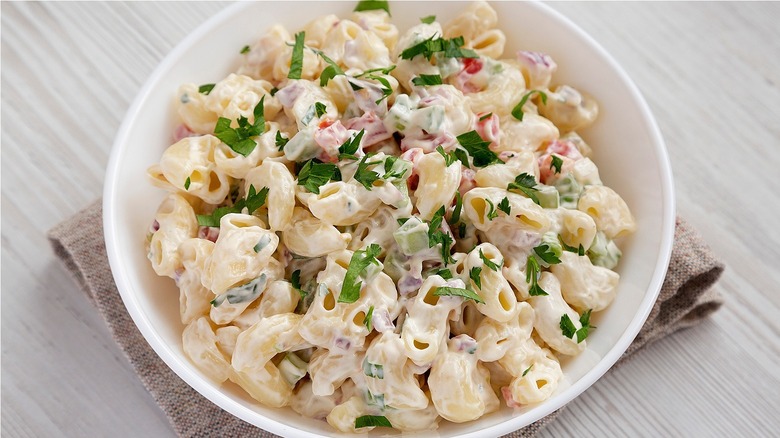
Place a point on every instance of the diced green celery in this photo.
(603, 252)
(302, 146)
(429, 118)
(548, 196)
(292, 368)
(412, 236)
(399, 115)
(569, 191)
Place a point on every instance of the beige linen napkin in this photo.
(685, 299)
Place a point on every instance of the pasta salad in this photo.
(386, 229)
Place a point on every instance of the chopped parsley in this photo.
(253, 201)
(428, 20)
(187, 183)
(372, 420)
(437, 236)
(504, 206)
(492, 213)
(383, 70)
(449, 158)
(545, 252)
(444, 273)
(387, 90)
(206, 89)
(331, 71)
(455, 218)
(579, 250)
(367, 320)
(485, 117)
(273, 91)
(532, 271)
(350, 290)
(478, 149)
(296, 62)
(527, 370)
(556, 163)
(371, 5)
(474, 276)
(489, 263)
(281, 142)
(245, 50)
(451, 48)
(314, 175)
(458, 292)
(526, 184)
(365, 176)
(517, 111)
(424, 80)
(389, 164)
(295, 280)
(585, 322)
(350, 146)
(240, 139)
(320, 109)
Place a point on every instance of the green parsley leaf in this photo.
(274, 90)
(478, 149)
(517, 111)
(458, 292)
(489, 263)
(579, 250)
(365, 176)
(485, 117)
(434, 225)
(350, 290)
(350, 146)
(474, 276)
(504, 206)
(331, 71)
(187, 183)
(462, 230)
(372, 420)
(295, 279)
(367, 321)
(527, 370)
(296, 62)
(281, 142)
(424, 80)
(389, 164)
(386, 88)
(532, 270)
(463, 157)
(444, 273)
(449, 159)
(401, 220)
(556, 163)
(253, 201)
(527, 184)
(383, 70)
(492, 213)
(371, 5)
(245, 50)
(567, 326)
(313, 175)
(546, 253)
(455, 218)
(320, 108)
(433, 45)
(585, 321)
(428, 20)
(240, 139)
(206, 89)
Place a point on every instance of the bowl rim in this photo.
(174, 362)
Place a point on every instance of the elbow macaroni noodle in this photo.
(300, 279)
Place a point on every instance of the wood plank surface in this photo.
(710, 72)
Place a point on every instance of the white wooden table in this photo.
(711, 73)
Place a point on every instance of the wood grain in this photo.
(710, 72)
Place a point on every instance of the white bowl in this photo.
(628, 150)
